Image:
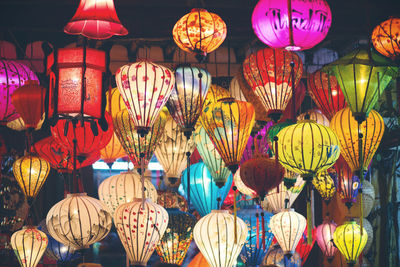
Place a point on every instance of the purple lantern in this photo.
(12, 76)
(257, 143)
(311, 21)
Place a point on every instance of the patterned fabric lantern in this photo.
(140, 226)
(145, 88)
(187, 98)
(216, 93)
(78, 221)
(314, 115)
(241, 186)
(386, 38)
(112, 151)
(19, 124)
(95, 20)
(348, 182)
(12, 76)
(294, 24)
(115, 102)
(29, 244)
(325, 183)
(325, 239)
(176, 240)
(276, 257)
(203, 191)
(214, 237)
(199, 32)
(171, 199)
(123, 188)
(269, 73)
(257, 144)
(368, 200)
(304, 247)
(274, 130)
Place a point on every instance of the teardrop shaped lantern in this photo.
(386, 38)
(96, 20)
(145, 88)
(140, 226)
(216, 93)
(276, 257)
(314, 115)
(188, 95)
(269, 73)
(325, 239)
(215, 238)
(325, 183)
(112, 151)
(242, 187)
(348, 182)
(115, 102)
(29, 244)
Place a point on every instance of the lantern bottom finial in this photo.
(233, 168)
(275, 115)
(172, 180)
(349, 205)
(289, 183)
(201, 56)
(143, 131)
(220, 184)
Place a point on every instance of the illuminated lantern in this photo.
(123, 188)
(368, 199)
(171, 199)
(12, 76)
(19, 124)
(288, 227)
(348, 130)
(350, 241)
(304, 247)
(176, 240)
(275, 129)
(228, 124)
(276, 257)
(187, 98)
(348, 182)
(145, 88)
(199, 32)
(241, 186)
(216, 93)
(326, 93)
(235, 89)
(257, 144)
(215, 238)
(112, 151)
(203, 191)
(300, 94)
(95, 20)
(370, 232)
(199, 261)
(269, 73)
(386, 38)
(31, 172)
(314, 115)
(140, 226)
(363, 76)
(29, 244)
(324, 235)
(78, 221)
(115, 102)
(294, 24)
(325, 183)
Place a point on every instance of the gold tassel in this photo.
(235, 212)
(309, 214)
(361, 212)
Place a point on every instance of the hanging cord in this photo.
(83, 91)
(289, 6)
(258, 231)
(142, 176)
(263, 229)
(361, 174)
(309, 213)
(276, 157)
(234, 188)
(188, 178)
(293, 89)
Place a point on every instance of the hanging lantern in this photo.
(115, 102)
(12, 76)
(199, 261)
(304, 247)
(19, 124)
(276, 257)
(325, 183)
(96, 20)
(141, 232)
(348, 182)
(29, 244)
(199, 32)
(300, 94)
(203, 191)
(324, 235)
(112, 151)
(370, 232)
(368, 200)
(386, 38)
(176, 240)
(31, 172)
(350, 241)
(145, 88)
(216, 93)
(187, 98)
(257, 144)
(288, 227)
(241, 186)
(269, 73)
(214, 237)
(171, 199)
(78, 221)
(274, 130)
(314, 115)
(363, 76)
(326, 93)
(235, 89)
(123, 188)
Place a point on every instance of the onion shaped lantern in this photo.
(216, 93)
(78, 221)
(19, 124)
(314, 115)
(326, 184)
(145, 88)
(386, 38)
(176, 240)
(215, 238)
(257, 143)
(170, 199)
(115, 102)
(324, 235)
(269, 73)
(348, 182)
(199, 32)
(241, 186)
(140, 226)
(276, 257)
(112, 151)
(293, 24)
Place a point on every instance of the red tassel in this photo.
(258, 231)
(263, 229)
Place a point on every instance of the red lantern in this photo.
(303, 247)
(96, 19)
(348, 182)
(300, 93)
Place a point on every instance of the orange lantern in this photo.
(386, 38)
(112, 151)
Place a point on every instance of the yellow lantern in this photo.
(314, 115)
(19, 124)
(115, 102)
(112, 151)
(325, 184)
(216, 93)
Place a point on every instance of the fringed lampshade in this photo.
(276, 257)
(112, 151)
(324, 235)
(326, 183)
(386, 38)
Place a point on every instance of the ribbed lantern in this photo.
(276, 257)
(325, 238)
(257, 143)
(29, 244)
(145, 88)
(269, 73)
(216, 93)
(314, 115)
(19, 124)
(78, 221)
(214, 236)
(140, 226)
(386, 38)
(112, 151)
(235, 89)
(368, 200)
(115, 102)
(348, 182)
(241, 186)
(170, 199)
(325, 183)
(370, 232)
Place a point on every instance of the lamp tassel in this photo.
(188, 178)
(142, 176)
(309, 215)
(235, 212)
(258, 231)
(263, 229)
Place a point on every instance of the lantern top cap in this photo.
(139, 199)
(196, 9)
(29, 227)
(220, 211)
(364, 56)
(76, 195)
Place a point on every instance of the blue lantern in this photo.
(276, 257)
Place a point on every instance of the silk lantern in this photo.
(300, 94)
(270, 73)
(349, 183)
(370, 232)
(19, 124)
(115, 102)
(276, 257)
(257, 143)
(324, 234)
(235, 89)
(386, 38)
(171, 199)
(314, 115)
(325, 183)
(140, 226)
(112, 151)
(304, 247)
(241, 186)
(216, 93)
(145, 88)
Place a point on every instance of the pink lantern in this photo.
(310, 19)
(325, 239)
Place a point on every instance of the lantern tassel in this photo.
(361, 211)
(309, 215)
(258, 231)
(361, 174)
(142, 176)
(235, 212)
(263, 229)
(188, 178)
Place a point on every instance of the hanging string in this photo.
(293, 89)
(309, 214)
(263, 229)
(258, 231)
(188, 178)
(361, 174)
(234, 188)
(276, 157)
(142, 176)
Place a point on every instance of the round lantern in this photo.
(123, 188)
(115, 102)
(314, 115)
(257, 143)
(19, 124)
(269, 73)
(112, 151)
(171, 199)
(324, 235)
(216, 93)
(176, 240)
(78, 221)
(29, 244)
(276, 257)
(241, 186)
(348, 182)
(235, 89)
(386, 38)
(214, 236)
(199, 32)
(293, 24)
(350, 241)
(325, 183)
(368, 200)
(188, 95)
(140, 226)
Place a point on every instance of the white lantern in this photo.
(245, 190)
(314, 115)
(214, 235)
(140, 225)
(235, 90)
(78, 221)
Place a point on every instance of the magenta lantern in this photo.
(310, 19)
(325, 238)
